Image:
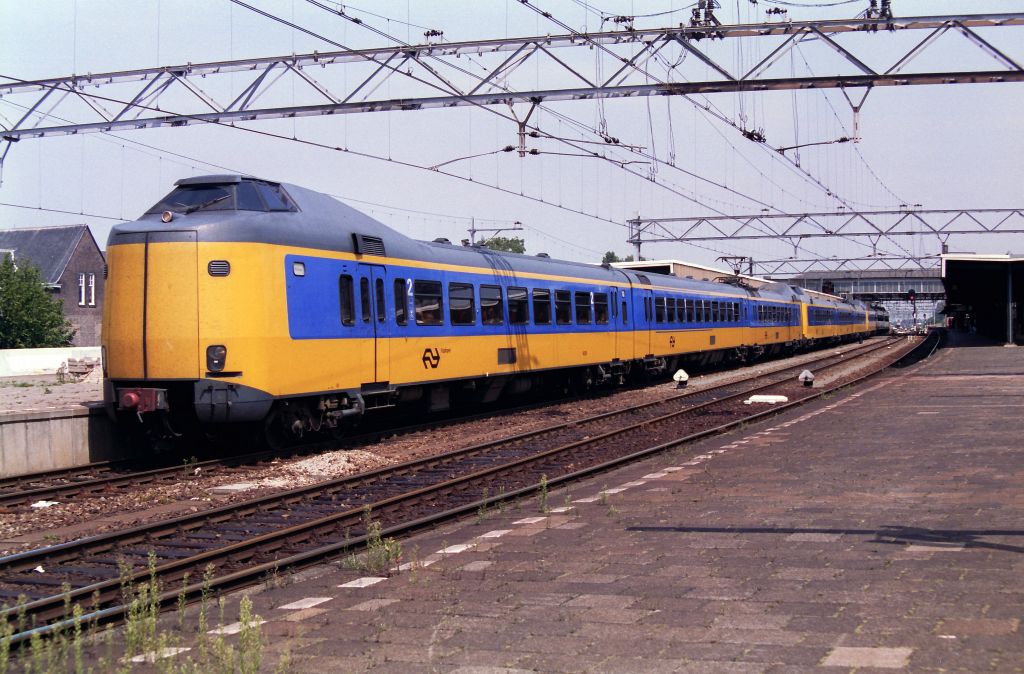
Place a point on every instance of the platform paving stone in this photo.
(867, 538)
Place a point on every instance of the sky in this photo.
(943, 147)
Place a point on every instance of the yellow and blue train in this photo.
(236, 300)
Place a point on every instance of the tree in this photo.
(29, 316)
(610, 257)
(511, 244)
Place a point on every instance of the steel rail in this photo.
(253, 572)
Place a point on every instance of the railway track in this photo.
(108, 478)
(244, 542)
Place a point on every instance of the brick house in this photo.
(71, 265)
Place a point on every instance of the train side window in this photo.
(625, 315)
(647, 309)
(690, 315)
(401, 302)
(563, 307)
(492, 311)
(681, 310)
(364, 298)
(670, 310)
(659, 309)
(518, 306)
(348, 305)
(380, 300)
(716, 317)
(583, 309)
(461, 310)
(541, 306)
(427, 302)
(601, 308)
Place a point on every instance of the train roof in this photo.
(314, 220)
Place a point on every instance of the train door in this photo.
(616, 305)
(643, 320)
(170, 309)
(372, 293)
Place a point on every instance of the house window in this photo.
(92, 290)
(81, 290)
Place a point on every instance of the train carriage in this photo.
(238, 300)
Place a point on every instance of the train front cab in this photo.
(177, 330)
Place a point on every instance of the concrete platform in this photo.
(877, 530)
(46, 424)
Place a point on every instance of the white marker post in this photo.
(681, 378)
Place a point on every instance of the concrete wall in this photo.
(25, 362)
(31, 442)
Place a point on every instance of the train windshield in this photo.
(242, 196)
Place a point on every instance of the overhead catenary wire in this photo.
(602, 48)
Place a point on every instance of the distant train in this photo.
(236, 300)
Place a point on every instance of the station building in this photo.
(71, 265)
(984, 293)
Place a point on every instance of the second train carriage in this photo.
(239, 300)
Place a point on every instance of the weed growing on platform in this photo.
(76, 644)
(544, 508)
(381, 555)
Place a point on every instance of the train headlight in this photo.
(216, 356)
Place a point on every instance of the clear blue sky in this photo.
(939, 146)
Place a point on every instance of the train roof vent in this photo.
(643, 279)
(543, 255)
(368, 245)
(442, 239)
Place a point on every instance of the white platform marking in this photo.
(497, 533)
(530, 520)
(233, 628)
(456, 549)
(308, 602)
(366, 581)
(153, 656)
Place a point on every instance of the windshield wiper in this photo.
(211, 202)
